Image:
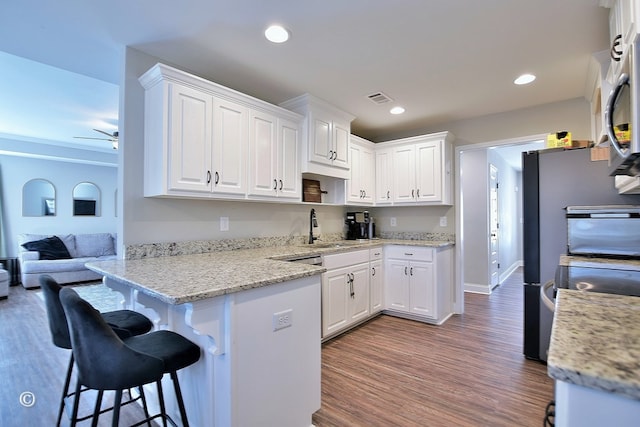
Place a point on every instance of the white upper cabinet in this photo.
(230, 137)
(189, 142)
(325, 136)
(273, 157)
(421, 170)
(361, 184)
(384, 176)
(199, 136)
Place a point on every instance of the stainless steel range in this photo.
(603, 252)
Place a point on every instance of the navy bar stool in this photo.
(107, 362)
(126, 323)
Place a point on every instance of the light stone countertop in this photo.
(595, 341)
(185, 278)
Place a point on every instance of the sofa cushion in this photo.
(94, 245)
(57, 265)
(49, 248)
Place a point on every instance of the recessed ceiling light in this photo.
(524, 79)
(276, 34)
(397, 110)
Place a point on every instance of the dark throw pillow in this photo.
(49, 248)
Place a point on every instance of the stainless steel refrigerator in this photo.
(552, 180)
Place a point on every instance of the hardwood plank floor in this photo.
(29, 362)
(468, 372)
(388, 372)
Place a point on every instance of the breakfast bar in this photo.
(257, 321)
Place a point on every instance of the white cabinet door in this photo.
(321, 145)
(428, 172)
(361, 184)
(376, 281)
(273, 157)
(396, 295)
(359, 293)
(288, 171)
(231, 126)
(190, 138)
(335, 300)
(404, 176)
(367, 175)
(263, 146)
(354, 186)
(384, 176)
(421, 288)
(340, 133)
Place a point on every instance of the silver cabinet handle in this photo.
(418, 193)
(405, 271)
(208, 177)
(275, 184)
(217, 178)
(373, 271)
(408, 254)
(411, 271)
(413, 194)
(388, 194)
(281, 185)
(330, 154)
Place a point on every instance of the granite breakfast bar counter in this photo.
(253, 370)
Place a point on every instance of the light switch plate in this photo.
(224, 223)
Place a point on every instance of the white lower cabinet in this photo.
(405, 281)
(418, 283)
(376, 280)
(345, 291)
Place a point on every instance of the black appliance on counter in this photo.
(360, 226)
(552, 180)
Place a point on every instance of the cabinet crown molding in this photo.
(302, 103)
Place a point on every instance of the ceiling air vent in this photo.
(379, 98)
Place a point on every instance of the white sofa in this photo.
(82, 248)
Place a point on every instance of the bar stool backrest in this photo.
(104, 361)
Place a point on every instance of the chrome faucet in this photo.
(313, 222)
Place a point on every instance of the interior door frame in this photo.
(458, 294)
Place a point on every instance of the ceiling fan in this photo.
(112, 137)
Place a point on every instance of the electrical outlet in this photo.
(393, 221)
(224, 223)
(443, 221)
(282, 320)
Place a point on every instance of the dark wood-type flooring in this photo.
(30, 363)
(388, 372)
(468, 372)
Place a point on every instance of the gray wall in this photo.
(15, 171)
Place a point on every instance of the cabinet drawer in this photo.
(344, 259)
(409, 253)
(375, 253)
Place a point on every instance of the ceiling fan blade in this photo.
(100, 139)
(106, 133)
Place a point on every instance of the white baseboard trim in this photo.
(513, 267)
(477, 288)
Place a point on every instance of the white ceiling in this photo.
(442, 60)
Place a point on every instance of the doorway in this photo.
(478, 257)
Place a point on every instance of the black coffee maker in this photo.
(359, 226)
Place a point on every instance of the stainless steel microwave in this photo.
(621, 116)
